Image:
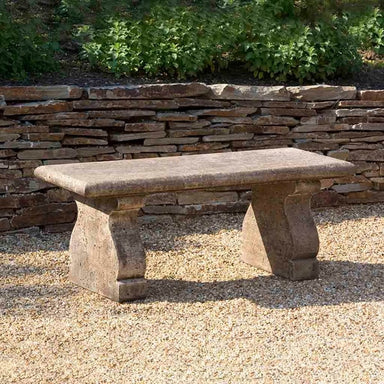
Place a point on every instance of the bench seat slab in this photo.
(279, 234)
(107, 255)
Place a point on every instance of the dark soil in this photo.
(369, 77)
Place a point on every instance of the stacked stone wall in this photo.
(66, 124)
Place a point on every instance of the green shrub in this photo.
(23, 50)
(176, 41)
(368, 29)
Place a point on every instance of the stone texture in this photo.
(368, 127)
(84, 141)
(376, 95)
(201, 123)
(45, 214)
(86, 152)
(106, 252)
(202, 147)
(144, 127)
(140, 149)
(81, 131)
(279, 234)
(171, 140)
(30, 144)
(44, 136)
(201, 103)
(322, 92)
(122, 114)
(260, 129)
(136, 136)
(198, 132)
(26, 129)
(124, 104)
(176, 116)
(294, 112)
(55, 116)
(12, 93)
(324, 118)
(230, 137)
(243, 92)
(8, 137)
(174, 173)
(367, 155)
(360, 104)
(86, 123)
(231, 112)
(275, 120)
(62, 153)
(203, 197)
(148, 91)
(7, 122)
(37, 108)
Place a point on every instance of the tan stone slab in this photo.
(192, 172)
(41, 92)
(148, 91)
(37, 108)
(124, 104)
(322, 92)
(244, 92)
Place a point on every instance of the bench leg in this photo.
(279, 234)
(106, 252)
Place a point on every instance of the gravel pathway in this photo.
(209, 318)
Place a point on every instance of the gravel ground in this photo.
(208, 319)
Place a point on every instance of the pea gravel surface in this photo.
(209, 318)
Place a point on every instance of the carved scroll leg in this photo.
(106, 252)
(279, 234)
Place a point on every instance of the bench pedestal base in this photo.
(279, 234)
(106, 252)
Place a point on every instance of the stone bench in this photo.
(279, 235)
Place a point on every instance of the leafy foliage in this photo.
(24, 50)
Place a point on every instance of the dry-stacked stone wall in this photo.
(66, 124)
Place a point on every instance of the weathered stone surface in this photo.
(171, 140)
(297, 112)
(348, 188)
(45, 214)
(275, 120)
(201, 103)
(37, 108)
(26, 129)
(321, 128)
(4, 225)
(12, 93)
(58, 228)
(2, 101)
(144, 127)
(180, 173)
(59, 195)
(55, 116)
(7, 123)
(341, 154)
(351, 112)
(202, 123)
(228, 112)
(232, 120)
(84, 141)
(136, 136)
(201, 147)
(60, 161)
(354, 146)
(86, 123)
(106, 252)
(367, 155)
(62, 153)
(10, 174)
(81, 131)
(243, 92)
(360, 104)
(139, 149)
(30, 144)
(279, 234)
(312, 146)
(324, 118)
(198, 132)
(258, 143)
(378, 183)
(7, 153)
(230, 137)
(376, 95)
(284, 104)
(122, 114)
(44, 136)
(322, 92)
(86, 152)
(109, 157)
(19, 164)
(125, 104)
(325, 199)
(148, 91)
(28, 185)
(161, 199)
(8, 137)
(368, 127)
(261, 129)
(203, 197)
(176, 116)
